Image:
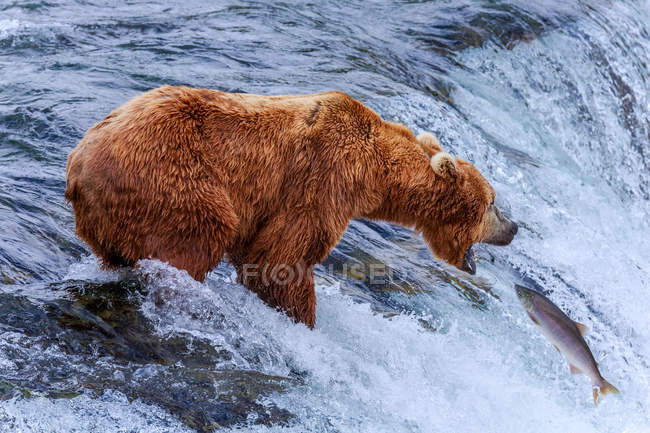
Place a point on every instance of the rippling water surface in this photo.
(549, 100)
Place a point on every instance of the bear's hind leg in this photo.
(195, 237)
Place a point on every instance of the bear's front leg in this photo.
(278, 263)
(289, 288)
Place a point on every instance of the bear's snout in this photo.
(499, 229)
(509, 233)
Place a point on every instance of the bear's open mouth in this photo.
(469, 262)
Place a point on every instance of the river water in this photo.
(549, 100)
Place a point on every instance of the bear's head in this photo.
(460, 210)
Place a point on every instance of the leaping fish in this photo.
(567, 337)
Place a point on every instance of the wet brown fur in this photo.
(189, 175)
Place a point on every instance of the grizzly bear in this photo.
(189, 175)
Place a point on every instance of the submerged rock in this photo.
(95, 338)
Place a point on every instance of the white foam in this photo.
(8, 26)
(361, 369)
(89, 269)
(110, 413)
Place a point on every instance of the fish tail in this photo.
(604, 388)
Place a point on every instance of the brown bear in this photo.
(189, 175)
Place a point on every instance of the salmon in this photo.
(567, 337)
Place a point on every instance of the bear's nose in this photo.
(514, 228)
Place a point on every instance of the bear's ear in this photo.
(429, 143)
(444, 165)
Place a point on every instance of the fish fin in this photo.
(583, 329)
(574, 369)
(605, 388)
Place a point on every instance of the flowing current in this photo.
(548, 99)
